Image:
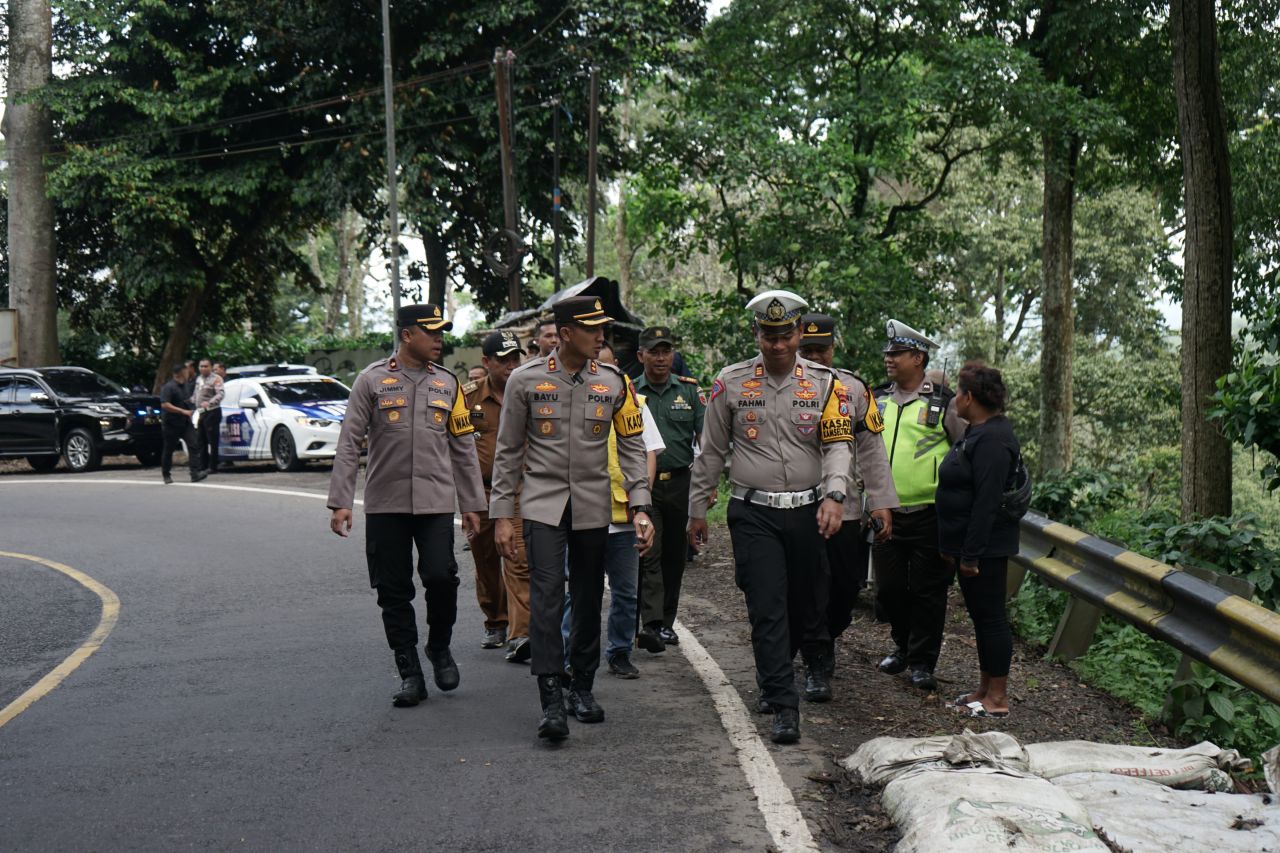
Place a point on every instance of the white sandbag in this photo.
(1140, 817)
(1271, 768)
(884, 759)
(982, 810)
(1203, 766)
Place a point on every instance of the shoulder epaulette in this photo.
(612, 367)
(379, 363)
(689, 379)
(882, 388)
(470, 387)
(445, 369)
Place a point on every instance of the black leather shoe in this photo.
(922, 678)
(446, 670)
(197, 476)
(763, 706)
(893, 663)
(817, 687)
(413, 686)
(669, 636)
(580, 703)
(518, 651)
(168, 481)
(786, 726)
(494, 638)
(554, 724)
(620, 665)
(649, 640)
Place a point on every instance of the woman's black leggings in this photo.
(984, 596)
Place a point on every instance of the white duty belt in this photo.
(777, 500)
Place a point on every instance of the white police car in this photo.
(288, 418)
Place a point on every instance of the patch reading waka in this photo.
(110, 613)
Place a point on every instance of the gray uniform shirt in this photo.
(789, 434)
(422, 457)
(554, 435)
(870, 458)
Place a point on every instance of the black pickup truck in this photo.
(71, 412)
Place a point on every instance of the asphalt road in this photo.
(242, 700)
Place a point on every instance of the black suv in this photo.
(47, 412)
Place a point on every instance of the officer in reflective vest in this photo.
(911, 578)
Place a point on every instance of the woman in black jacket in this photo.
(972, 529)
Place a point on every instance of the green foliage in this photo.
(1209, 706)
(1127, 663)
(1034, 612)
(1247, 401)
(1232, 546)
(1076, 496)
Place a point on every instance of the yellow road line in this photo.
(110, 612)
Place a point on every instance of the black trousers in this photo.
(848, 554)
(546, 547)
(210, 422)
(389, 541)
(911, 586)
(662, 569)
(984, 597)
(781, 568)
(186, 434)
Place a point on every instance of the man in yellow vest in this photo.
(920, 425)
(621, 559)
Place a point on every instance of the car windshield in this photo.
(309, 391)
(78, 383)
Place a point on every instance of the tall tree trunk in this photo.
(1061, 153)
(28, 131)
(623, 246)
(179, 341)
(998, 339)
(1206, 298)
(437, 264)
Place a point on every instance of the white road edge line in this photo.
(782, 816)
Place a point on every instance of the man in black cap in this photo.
(848, 551)
(422, 459)
(502, 590)
(677, 407)
(553, 443)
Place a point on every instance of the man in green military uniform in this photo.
(911, 578)
(677, 407)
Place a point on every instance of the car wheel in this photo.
(43, 463)
(283, 450)
(81, 451)
(150, 458)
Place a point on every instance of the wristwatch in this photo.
(838, 497)
(647, 509)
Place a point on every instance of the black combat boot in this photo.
(786, 726)
(446, 671)
(581, 703)
(413, 687)
(817, 682)
(554, 724)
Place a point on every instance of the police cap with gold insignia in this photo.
(582, 310)
(429, 317)
(903, 337)
(500, 344)
(817, 330)
(655, 335)
(777, 311)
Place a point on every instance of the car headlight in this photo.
(108, 409)
(318, 423)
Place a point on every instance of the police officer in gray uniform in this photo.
(789, 422)
(553, 438)
(848, 551)
(422, 458)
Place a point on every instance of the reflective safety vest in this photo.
(915, 448)
(617, 494)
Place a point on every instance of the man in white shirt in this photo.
(621, 561)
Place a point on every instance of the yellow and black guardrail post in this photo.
(1228, 632)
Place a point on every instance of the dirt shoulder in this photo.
(1049, 702)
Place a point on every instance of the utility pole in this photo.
(393, 227)
(592, 137)
(502, 62)
(555, 192)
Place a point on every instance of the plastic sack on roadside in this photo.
(982, 810)
(1271, 768)
(1201, 767)
(1140, 817)
(884, 759)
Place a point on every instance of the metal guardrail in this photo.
(1224, 630)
